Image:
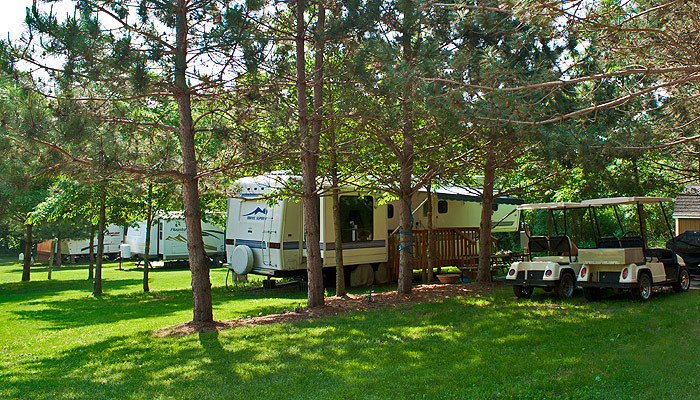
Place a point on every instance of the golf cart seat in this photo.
(631, 241)
(663, 255)
(563, 246)
(609, 242)
(538, 244)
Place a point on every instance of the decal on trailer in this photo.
(253, 215)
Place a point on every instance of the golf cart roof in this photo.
(612, 201)
(559, 205)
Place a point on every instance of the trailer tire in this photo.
(566, 286)
(643, 290)
(523, 292)
(683, 283)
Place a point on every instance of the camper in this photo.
(114, 236)
(265, 235)
(169, 238)
(75, 249)
(457, 207)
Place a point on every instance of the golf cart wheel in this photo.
(643, 290)
(565, 288)
(683, 283)
(592, 293)
(522, 292)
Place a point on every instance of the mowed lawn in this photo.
(57, 341)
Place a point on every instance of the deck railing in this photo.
(458, 247)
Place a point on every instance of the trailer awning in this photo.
(469, 194)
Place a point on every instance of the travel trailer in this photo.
(265, 233)
(74, 249)
(169, 238)
(457, 207)
(266, 236)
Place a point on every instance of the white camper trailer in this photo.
(80, 248)
(169, 238)
(456, 207)
(269, 239)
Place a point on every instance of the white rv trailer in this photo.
(169, 238)
(456, 207)
(268, 239)
(81, 247)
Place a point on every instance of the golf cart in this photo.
(552, 260)
(627, 262)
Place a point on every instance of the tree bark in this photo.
(309, 160)
(91, 256)
(339, 265)
(52, 256)
(430, 253)
(484, 270)
(97, 283)
(28, 244)
(58, 258)
(406, 247)
(149, 222)
(201, 285)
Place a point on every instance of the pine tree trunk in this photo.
(201, 285)
(340, 286)
(58, 258)
(149, 221)
(339, 266)
(430, 253)
(309, 160)
(52, 256)
(484, 270)
(406, 247)
(28, 244)
(406, 258)
(97, 283)
(91, 256)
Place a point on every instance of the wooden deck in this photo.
(454, 247)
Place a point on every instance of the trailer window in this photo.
(356, 218)
(442, 207)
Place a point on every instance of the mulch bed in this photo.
(334, 306)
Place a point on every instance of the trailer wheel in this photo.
(643, 290)
(592, 293)
(683, 283)
(565, 288)
(523, 292)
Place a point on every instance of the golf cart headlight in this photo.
(624, 273)
(548, 273)
(583, 272)
(511, 272)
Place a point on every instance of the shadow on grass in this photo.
(108, 308)
(482, 346)
(35, 290)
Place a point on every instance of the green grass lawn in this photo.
(57, 341)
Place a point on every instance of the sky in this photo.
(12, 13)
